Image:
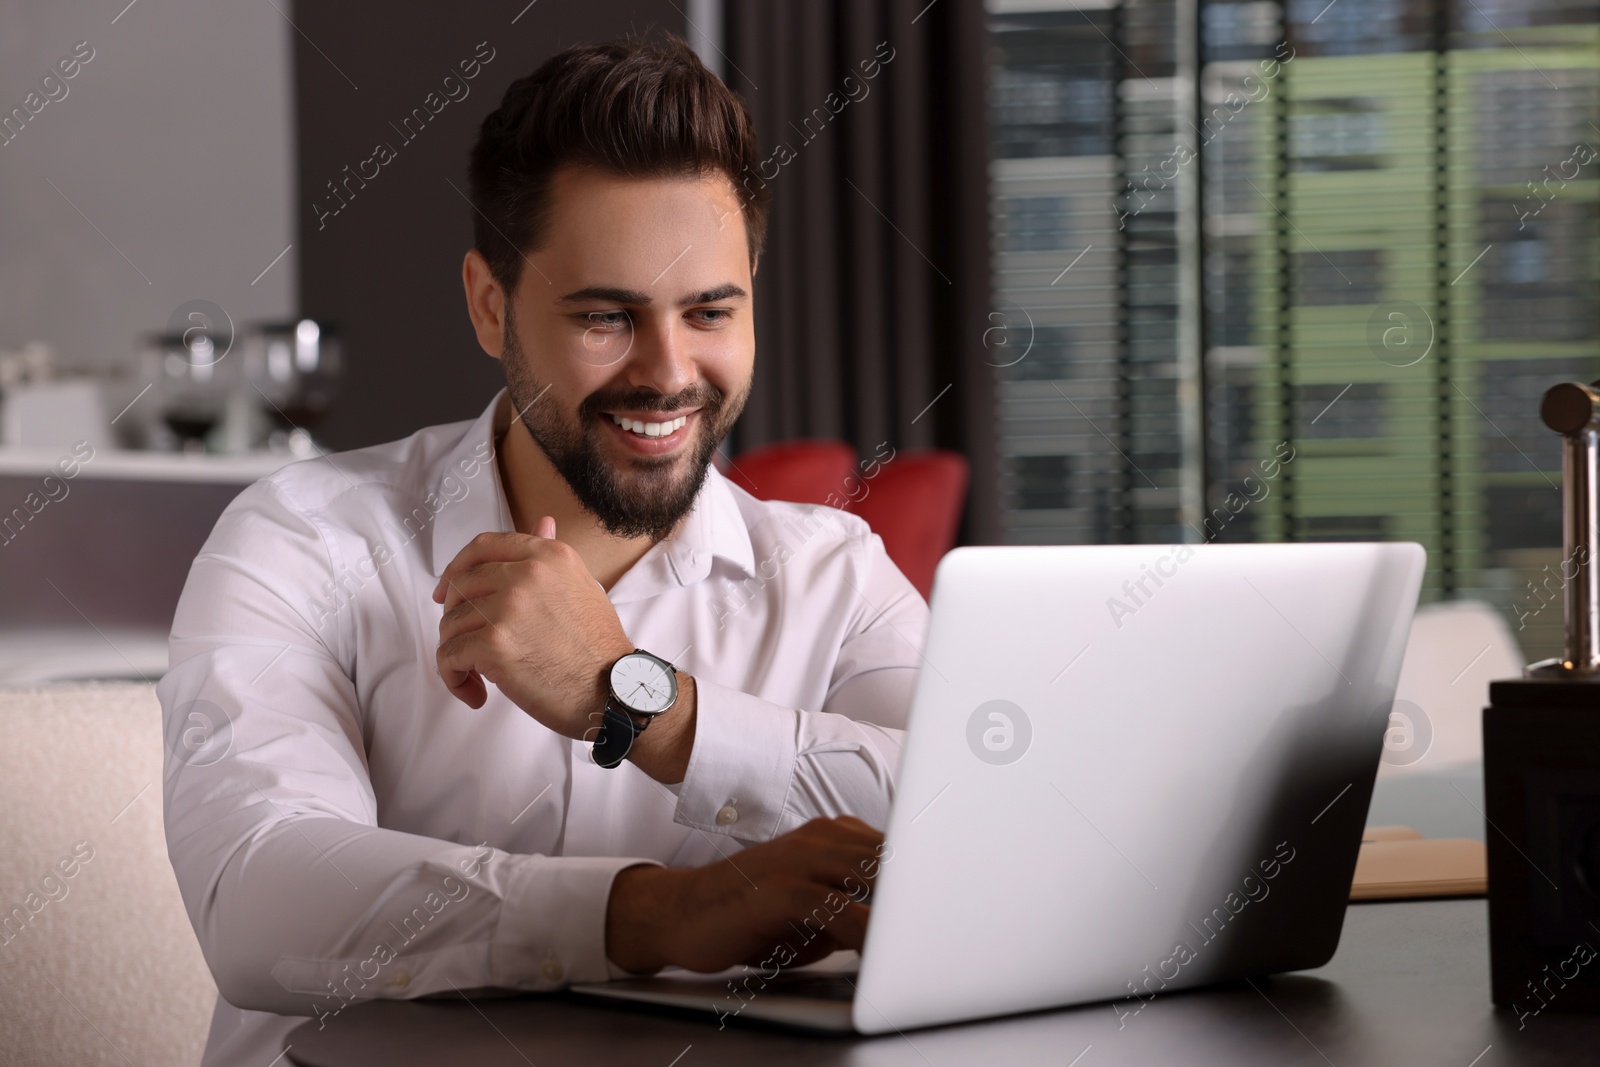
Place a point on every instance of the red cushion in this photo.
(807, 472)
(914, 503)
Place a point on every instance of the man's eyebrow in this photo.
(612, 295)
(606, 294)
(725, 291)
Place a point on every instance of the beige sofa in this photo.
(98, 963)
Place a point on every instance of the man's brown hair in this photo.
(633, 108)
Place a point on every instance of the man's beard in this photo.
(653, 504)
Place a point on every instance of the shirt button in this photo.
(400, 980)
(552, 970)
(728, 815)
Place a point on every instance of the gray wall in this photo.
(174, 141)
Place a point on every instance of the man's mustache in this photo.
(708, 398)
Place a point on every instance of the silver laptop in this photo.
(1127, 770)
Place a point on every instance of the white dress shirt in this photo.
(342, 828)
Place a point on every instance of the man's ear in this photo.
(486, 302)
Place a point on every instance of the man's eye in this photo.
(606, 319)
(714, 315)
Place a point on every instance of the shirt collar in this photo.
(714, 527)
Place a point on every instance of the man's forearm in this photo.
(427, 913)
(753, 768)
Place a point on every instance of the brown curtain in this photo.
(873, 294)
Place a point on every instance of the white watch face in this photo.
(643, 683)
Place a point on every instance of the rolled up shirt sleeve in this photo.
(300, 901)
(760, 768)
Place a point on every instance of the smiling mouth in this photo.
(649, 429)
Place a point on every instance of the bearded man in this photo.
(542, 698)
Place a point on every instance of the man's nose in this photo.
(662, 358)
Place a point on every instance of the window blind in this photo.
(1297, 271)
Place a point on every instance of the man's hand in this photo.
(523, 612)
(788, 901)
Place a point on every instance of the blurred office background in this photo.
(1124, 257)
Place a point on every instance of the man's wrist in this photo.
(635, 915)
(663, 750)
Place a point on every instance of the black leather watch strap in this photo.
(618, 730)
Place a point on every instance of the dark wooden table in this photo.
(1409, 985)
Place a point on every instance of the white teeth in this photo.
(650, 429)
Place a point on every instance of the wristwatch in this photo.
(642, 686)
